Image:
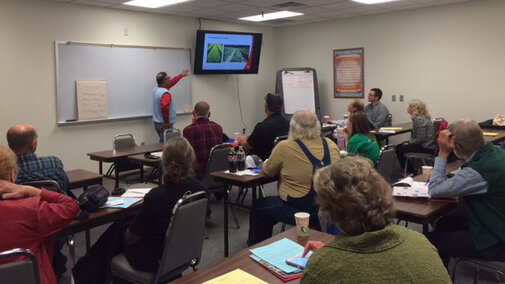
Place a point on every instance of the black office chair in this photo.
(386, 161)
(48, 184)
(24, 271)
(183, 243)
(218, 161)
(496, 267)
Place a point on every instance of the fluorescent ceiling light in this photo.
(271, 16)
(373, 1)
(153, 3)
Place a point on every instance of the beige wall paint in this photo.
(450, 56)
(27, 73)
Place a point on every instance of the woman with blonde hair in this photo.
(356, 198)
(423, 134)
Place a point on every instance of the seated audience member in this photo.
(355, 105)
(361, 141)
(481, 185)
(261, 140)
(30, 216)
(294, 160)
(423, 135)
(371, 248)
(202, 134)
(142, 240)
(22, 140)
(376, 111)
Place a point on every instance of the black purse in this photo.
(93, 198)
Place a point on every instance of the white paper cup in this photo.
(427, 170)
(302, 223)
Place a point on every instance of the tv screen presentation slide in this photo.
(227, 52)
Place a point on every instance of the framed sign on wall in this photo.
(349, 73)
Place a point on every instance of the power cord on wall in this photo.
(240, 106)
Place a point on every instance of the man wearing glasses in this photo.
(376, 111)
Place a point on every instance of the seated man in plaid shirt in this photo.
(202, 134)
(22, 140)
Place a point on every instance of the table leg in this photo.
(426, 228)
(116, 176)
(100, 168)
(225, 217)
(88, 241)
(141, 173)
(254, 221)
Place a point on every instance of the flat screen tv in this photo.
(221, 52)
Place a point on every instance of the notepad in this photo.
(120, 202)
(136, 193)
(276, 254)
(390, 128)
(490, 134)
(410, 188)
(236, 276)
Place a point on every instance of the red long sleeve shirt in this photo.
(166, 100)
(28, 223)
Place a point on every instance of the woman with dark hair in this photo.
(142, 240)
(361, 141)
(356, 198)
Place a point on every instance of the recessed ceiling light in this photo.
(373, 1)
(153, 3)
(271, 16)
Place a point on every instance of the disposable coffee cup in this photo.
(427, 170)
(302, 223)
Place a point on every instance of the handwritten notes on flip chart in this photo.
(91, 100)
(298, 89)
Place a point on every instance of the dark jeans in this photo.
(159, 129)
(452, 238)
(272, 209)
(410, 148)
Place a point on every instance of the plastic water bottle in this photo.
(341, 138)
(241, 158)
(232, 160)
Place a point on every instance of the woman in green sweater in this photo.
(370, 248)
(361, 141)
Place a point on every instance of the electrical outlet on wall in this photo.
(125, 31)
(401, 98)
(393, 98)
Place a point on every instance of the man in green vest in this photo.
(480, 184)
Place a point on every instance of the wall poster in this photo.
(348, 71)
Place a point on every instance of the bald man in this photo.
(22, 139)
(202, 134)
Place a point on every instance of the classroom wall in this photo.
(27, 73)
(450, 56)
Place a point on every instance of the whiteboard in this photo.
(129, 71)
(298, 87)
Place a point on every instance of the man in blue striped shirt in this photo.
(22, 140)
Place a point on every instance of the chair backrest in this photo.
(218, 161)
(124, 140)
(170, 132)
(24, 271)
(184, 237)
(385, 162)
(389, 120)
(279, 139)
(48, 184)
(439, 124)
